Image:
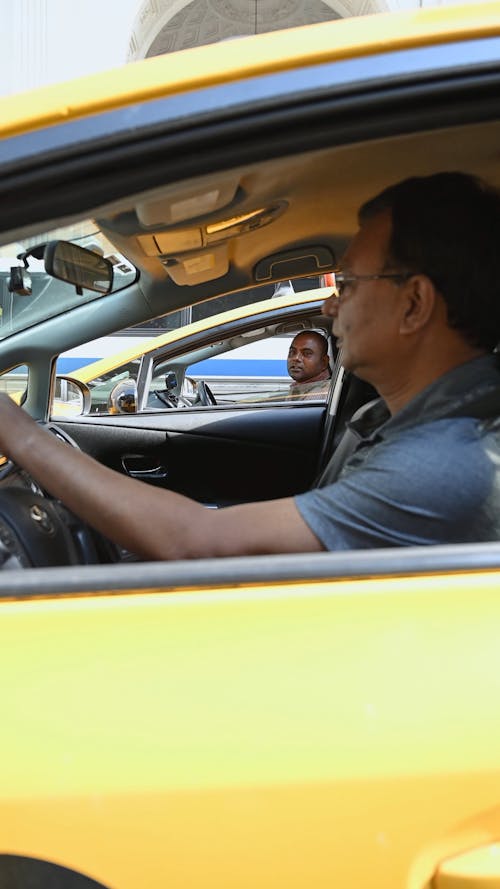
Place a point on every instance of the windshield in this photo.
(29, 295)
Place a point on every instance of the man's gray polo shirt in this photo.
(428, 475)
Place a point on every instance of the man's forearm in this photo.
(131, 513)
(153, 522)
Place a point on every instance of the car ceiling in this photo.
(318, 193)
(310, 202)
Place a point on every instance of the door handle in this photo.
(143, 468)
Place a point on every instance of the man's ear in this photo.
(418, 303)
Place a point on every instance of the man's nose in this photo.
(330, 306)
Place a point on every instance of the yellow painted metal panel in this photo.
(304, 734)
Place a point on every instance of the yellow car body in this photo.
(322, 721)
(276, 734)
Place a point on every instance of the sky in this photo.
(48, 41)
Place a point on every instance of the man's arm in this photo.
(152, 522)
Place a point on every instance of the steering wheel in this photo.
(166, 398)
(204, 394)
(37, 531)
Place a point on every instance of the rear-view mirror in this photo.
(77, 265)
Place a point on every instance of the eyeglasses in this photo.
(342, 281)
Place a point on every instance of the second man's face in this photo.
(307, 361)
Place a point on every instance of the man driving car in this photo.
(418, 317)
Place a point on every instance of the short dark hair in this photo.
(322, 340)
(448, 226)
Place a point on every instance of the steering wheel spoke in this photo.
(204, 394)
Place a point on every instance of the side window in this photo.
(252, 373)
(150, 367)
(15, 382)
(100, 365)
(100, 386)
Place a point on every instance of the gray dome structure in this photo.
(163, 26)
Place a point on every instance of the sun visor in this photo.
(178, 206)
(196, 268)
